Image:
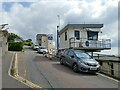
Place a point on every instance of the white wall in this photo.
(70, 34)
(63, 43)
(51, 44)
(3, 43)
(94, 29)
(44, 41)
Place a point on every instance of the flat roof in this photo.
(80, 26)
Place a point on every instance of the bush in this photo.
(13, 72)
(15, 46)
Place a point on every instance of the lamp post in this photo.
(57, 37)
(58, 28)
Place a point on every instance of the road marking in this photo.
(108, 77)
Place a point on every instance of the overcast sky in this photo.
(30, 18)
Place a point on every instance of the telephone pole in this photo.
(58, 29)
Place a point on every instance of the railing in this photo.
(85, 43)
(109, 65)
(106, 57)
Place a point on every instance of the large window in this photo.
(92, 35)
(65, 36)
(77, 34)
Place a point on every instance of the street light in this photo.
(58, 28)
(57, 37)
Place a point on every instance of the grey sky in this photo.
(41, 17)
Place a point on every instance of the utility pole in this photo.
(57, 37)
(58, 29)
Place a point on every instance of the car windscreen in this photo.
(80, 54)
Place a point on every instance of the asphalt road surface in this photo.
(50, 74)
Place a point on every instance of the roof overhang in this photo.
(80, 26)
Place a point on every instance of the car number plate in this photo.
(92, 68)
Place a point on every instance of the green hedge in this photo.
(15, 46)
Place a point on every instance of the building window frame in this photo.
(66, 36)
(92, 35)
(77, 34)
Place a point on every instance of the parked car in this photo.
(42, 49)
(35, 47)
(79, 61)
(59, 53)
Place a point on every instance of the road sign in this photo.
(50, 37)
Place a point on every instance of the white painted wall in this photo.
(70, 34)
(94, 29)
(3, 43)
(0, 60)
(63, 43)
(51, 44)
(44, 41)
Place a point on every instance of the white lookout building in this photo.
(84, 37)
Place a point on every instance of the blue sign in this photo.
(87, 43)
(50, 37)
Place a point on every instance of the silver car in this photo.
(79, 61)
(42, 49)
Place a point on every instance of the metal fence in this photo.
(106, 57)
(101, 43)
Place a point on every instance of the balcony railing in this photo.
(90, 44)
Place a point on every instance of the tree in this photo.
(12, 37)
(29, 40)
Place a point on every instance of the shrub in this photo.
(15, 46)
(13, 71)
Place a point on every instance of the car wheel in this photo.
(75, 67)
(61, 61)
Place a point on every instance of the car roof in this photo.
(43, 46)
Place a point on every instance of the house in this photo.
(45, 40)
(42, 39)
(3, 42)
(84, 37)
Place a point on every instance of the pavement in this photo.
(7, 81)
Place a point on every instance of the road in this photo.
(50, 74)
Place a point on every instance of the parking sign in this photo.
(50, 37)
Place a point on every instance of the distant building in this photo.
(84, 37)
(45, 40)
(3, 42)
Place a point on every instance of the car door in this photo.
(71, 58)
(65, 56)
